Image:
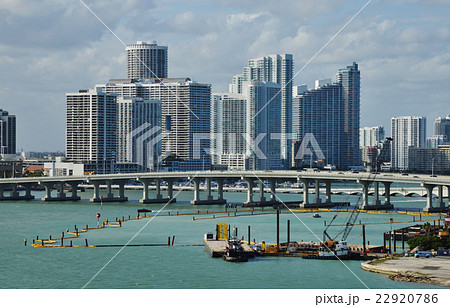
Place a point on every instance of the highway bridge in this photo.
(369, 183)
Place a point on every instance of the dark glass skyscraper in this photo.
(349, 78)
(330, 114)
(7, 133)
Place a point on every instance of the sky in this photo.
(52, 47)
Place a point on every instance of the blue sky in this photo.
(51, 47)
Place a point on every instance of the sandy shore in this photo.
(434, 270)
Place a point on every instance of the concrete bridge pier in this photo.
(209, 198)
(317, 192)
(158, 199)
(96, 196)
(74, 186)
(27, 195)
(48, 190)
(250, 185)
(220, 189)
(262, 199)
(429, 208)
(441, 203)
(273, 186)
(208, 189)
(376, 195)
(376, 204)
(14, 195)
(365, 185)
(328, 191)
(305, 183)
(109, 193)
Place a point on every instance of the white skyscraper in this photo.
(185, 115)
(406, 131)
(246, 129)
(91, 129)
(139, 132)
(228, 122)
(146, 60)
(371, 136)
(278, 69)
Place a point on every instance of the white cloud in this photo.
(50, 47)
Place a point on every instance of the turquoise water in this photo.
(175, 267)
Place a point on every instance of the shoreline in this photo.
(409, 269)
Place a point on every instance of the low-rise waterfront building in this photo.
(436, 160)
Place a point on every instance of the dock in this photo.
(217, 248)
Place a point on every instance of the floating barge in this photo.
(215, 244)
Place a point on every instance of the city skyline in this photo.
(65, 48)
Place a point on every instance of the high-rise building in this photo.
(371, 136)
(349, 78)
(329, 115)
(228, 127)
(319, 114)
(276, 69)
(139, 132)
(186, 118)
(91, 129)
(406, 131)
(246, 128)
(7, 133)
(442, 127)
(436, 140)
(146, 60)
(185, 115)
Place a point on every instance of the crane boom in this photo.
(350, 223)
(325, 234)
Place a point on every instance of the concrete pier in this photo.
(109, 193)
(209, 198)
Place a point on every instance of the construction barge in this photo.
(217, 245)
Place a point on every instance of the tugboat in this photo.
(316, 215)
(333, 250)
(234, 251)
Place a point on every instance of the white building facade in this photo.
(146, 60)
(278, 69)
(246, 128)
(406, 131)
(139, 132)
(91, 129)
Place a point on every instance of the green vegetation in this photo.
(378, 261)
(429, 242)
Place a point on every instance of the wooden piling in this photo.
(403, 239)
(25, 241)
(288, 232)
(278, 229)
(390, 242)
(394, 239)
(364, 238)
(71, 243)
(173, 239)
(249, 234)
(86, 242)
(168, 241)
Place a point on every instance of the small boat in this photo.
(336, 250)
(316, 215)
(234, 252)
